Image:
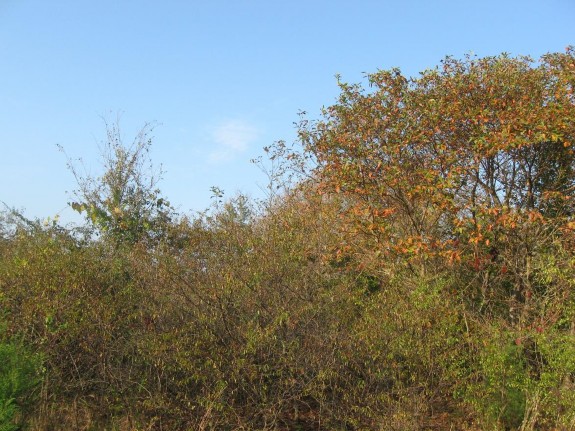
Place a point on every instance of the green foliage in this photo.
(500, 392)
(20, 374)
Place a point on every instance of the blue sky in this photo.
(222, 78)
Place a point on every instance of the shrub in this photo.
(19, 376)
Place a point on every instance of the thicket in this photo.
(418, 274)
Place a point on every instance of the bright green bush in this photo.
(20, 374)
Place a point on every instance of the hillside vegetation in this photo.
(413, 268)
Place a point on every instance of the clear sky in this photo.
(222, 78)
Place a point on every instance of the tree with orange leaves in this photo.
(468, 139)
(473, 161)
(466, 174)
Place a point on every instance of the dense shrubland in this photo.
(418, 275)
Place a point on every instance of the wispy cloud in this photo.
(232, 137)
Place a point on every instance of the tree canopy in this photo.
(472, 139)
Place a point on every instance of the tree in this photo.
(467, 173)
(124, 203)
(461, 147)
